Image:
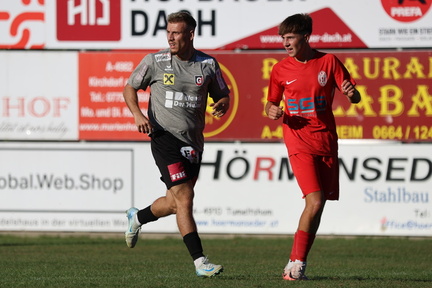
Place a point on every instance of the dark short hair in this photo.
(297, 24)
(182, 16)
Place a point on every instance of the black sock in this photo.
(146, 215)
(193, 244)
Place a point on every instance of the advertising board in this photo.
(395, 88)
(243, 188)
(38, 93)
(84, 101)
(227, 25)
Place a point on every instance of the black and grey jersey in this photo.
(179, 91)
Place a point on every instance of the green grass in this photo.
(89, 261)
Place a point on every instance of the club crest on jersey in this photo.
(322, 78)
(168, 79)
(199, 79)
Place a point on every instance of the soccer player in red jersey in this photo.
(306, 82)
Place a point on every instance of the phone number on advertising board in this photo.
(391, 132)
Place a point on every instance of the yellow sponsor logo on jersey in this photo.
(168, 79)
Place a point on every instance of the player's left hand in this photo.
(350, 91)
(347, 88)
(221, 107)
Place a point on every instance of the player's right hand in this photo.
(143, 124)
(275, 112)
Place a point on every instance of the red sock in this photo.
(301, 246)
(293, 255)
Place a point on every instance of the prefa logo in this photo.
(406, 10)
(88, 20)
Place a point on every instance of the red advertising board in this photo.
(94, 21)
(395, 86)
(103, 114)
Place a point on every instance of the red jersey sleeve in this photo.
(275, 89)
(340, 72)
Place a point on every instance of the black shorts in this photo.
(178, 162)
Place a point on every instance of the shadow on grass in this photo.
(361, 278)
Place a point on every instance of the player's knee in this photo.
(315, 204)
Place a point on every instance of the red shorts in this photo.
(316, 173)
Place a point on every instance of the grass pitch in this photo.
(98, 261)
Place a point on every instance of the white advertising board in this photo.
(243, 188)
(68, 176)
(39, 95)
(115, 24)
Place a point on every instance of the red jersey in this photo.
(308, 90)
